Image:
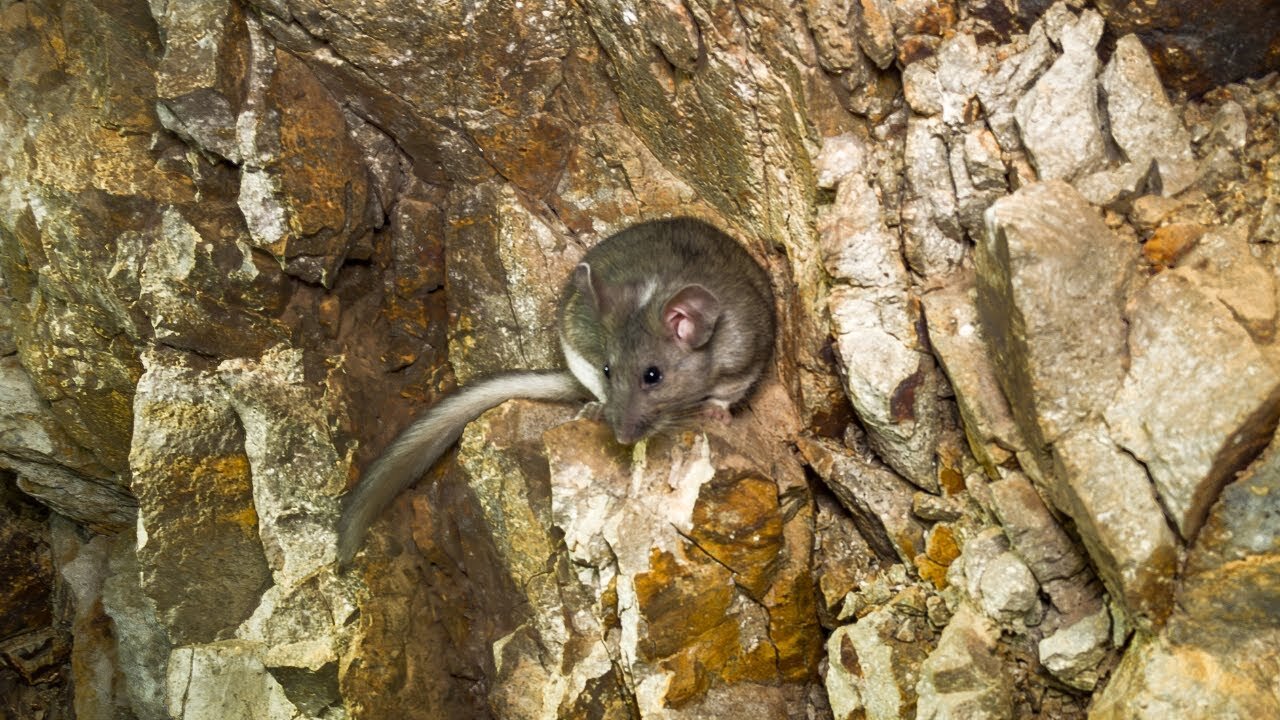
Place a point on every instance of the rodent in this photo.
(662, 322)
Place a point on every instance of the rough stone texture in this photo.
(1036, 288)
(1142, 121)
(957, 338)
(1194, 442)
(963, 677)
(242, 244)
(1036, 536)
(1058, 118)
(1117, 513)
(1008, 589)
(142, 645)
(933, 241)
(890, 379)
(873, 668)
(48, 463)
(692, 619)
(1161, 679)
(204, 573)
(1038, 283)
(879, 501)
(1074, 652)
(1216, 656)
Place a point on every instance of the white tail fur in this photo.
(427, 438)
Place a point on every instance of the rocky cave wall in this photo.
(1013, 458)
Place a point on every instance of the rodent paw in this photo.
(593, 410)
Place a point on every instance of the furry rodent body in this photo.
(660, 322)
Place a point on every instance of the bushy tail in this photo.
(428, 437)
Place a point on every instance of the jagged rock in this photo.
(100, 690)
(839, 157)
(1073, 652)
(283, 422)
(1140, 118)
(50, 465)
(933, 244)
(186, 276)
(878, 499)
(1041, 542)
(1168, 244)
(304, 191)
(1009, 591)
(1163, 679)
(889, 378)
(98, 504)
(242, 244)
(1230, 128)
(1216, 653)
(962, 677)
(871, 672)
(875, 30)
(957, 337)
(941, 548)
(962, 64)
(1058, 118)
(222, 680)
(1117, 188)
(997, 581)
(877, 591)
(504, 318)
(1038, 284)
(1231, 593)
(197, 80)
(198, 526)
(932, 507)
(1011, 81)
(142, 645)
(1109, 496)
(654, 542)
(1222, 265)
(843, 559)
(833, 24)
(972, 201)
(921, 88)
(1193, 441)
(982, 161)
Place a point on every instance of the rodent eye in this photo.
(652, 376)
(606, 370)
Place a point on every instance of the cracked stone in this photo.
(1059, 118)
(1142, 121)
(1192, 442)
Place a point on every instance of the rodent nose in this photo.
(629, 433)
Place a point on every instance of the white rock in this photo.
(1009, 590)
(1072, 653)
(1143, 123)
(1059, 119)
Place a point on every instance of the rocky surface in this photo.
(1015, 456)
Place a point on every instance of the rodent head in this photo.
(657, 362)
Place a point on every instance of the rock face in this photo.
(1014, 457)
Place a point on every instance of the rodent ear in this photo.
(587, 285)
(690, 316)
